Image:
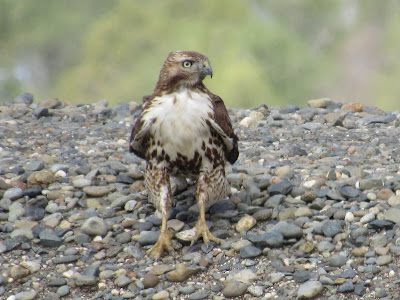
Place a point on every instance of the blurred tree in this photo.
(262, 51)
(254, 61)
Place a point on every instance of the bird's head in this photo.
(183, 69)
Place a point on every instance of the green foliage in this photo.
(261, 51)
(125, 48)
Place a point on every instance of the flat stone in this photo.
(249, 252)
(199, 295)
(83, 280)
(319, 103)
(122, 281)
(392, 215)
(288, 230)
(384, 260)
(48, 238)
(162, 295)
(234, 289)
(271, 239)
(29, 295)
(284, 187)
(346, 287)
(309, 289)
(182, 272)
(98, 191)
(13, 194)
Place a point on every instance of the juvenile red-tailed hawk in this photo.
(184, 130)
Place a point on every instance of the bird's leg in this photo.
(163, 242)
(157, 181)
(201, 225)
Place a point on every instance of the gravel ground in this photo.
(314, 210)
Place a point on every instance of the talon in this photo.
(163, 242)
(203, 232)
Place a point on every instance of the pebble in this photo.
(161, 295)
(150, 280)
(182, 272)
(234, 289)
(94, 226)
(245, 223)
(309, 289)
(315, 195)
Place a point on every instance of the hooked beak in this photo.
(207, 70)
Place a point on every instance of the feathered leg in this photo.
(157, 182)
(211, 187)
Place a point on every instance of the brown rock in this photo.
(41, 178)
(50, 104)
(150, 280)
(182, 273)
(384, 194)
(98, 191)
(355, 106)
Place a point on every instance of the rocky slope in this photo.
(314, 210)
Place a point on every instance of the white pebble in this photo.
(61, 173)
(349, 217)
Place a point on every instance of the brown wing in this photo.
(221, 117)
(139, 135)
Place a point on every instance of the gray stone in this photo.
(48, 238)
(284, 187)
(337, 260)
(65, 259)
(346, 287)
(63, 290)
(271, 239)
(256, 291)
(29, 295)
(25, 98)
(274, 201)
(392, 215)
(94, 226)
(203, 294)
(149, 238)
(325, 246)
(288, 230)
(40, 112)
(122, 281)
(384, 260)
(370, 184)
(309, 289)
(35, 165)
(186, 290)
(13, 194)
(331, 228)
(83, 280)
(249, 252)
(301, 276)
(234, 289)
(349, 192)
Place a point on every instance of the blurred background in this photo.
(261, 51)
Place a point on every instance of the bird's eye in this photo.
(187, 63)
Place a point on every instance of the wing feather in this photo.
(139, 135)
(222, 124)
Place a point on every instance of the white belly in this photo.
(180, 122)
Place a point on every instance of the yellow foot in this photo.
(163, 242)
(203, 231)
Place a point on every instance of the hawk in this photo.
(184, 130)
